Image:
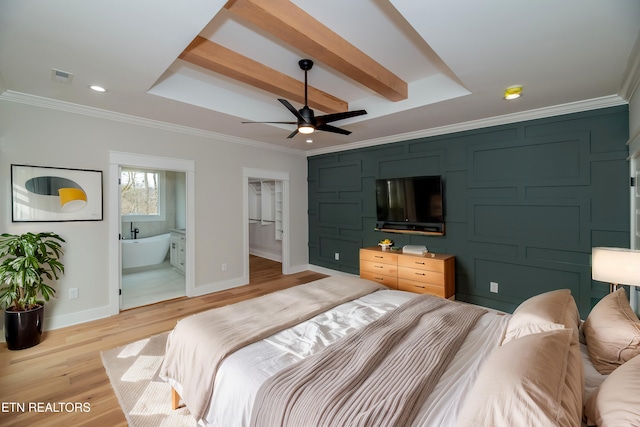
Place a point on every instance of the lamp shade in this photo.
(616, 265)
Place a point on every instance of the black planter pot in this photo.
(23, 329)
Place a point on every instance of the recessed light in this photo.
(97, 88)
(513, 92)
(309, 141)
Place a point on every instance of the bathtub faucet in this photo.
(134, 231)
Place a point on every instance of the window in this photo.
(142, 195)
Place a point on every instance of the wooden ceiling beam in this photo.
(217, 58)
(296, 27)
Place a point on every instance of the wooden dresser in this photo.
(426, 274)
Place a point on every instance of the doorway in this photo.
(137, 279)
(153, 224)
(266, 217)
(634, 164)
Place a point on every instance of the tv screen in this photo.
(415, 200)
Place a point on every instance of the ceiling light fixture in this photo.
(306, 128)
(513, 92)
(309, 141)
(97, 88)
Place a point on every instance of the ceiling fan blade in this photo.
(329, 128)
(291, 108)
(327, 118)
(306, 117)
(281, 123)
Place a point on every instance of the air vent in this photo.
(61, 76)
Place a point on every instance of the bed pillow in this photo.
(545, 312)
(617, 401)
(612, 332)
(536, 380)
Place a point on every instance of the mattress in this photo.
(242, 373)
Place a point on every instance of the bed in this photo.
(302, 358)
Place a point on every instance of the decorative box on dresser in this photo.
(426, 274)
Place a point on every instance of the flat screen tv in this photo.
(414, 203)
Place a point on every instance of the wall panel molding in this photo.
(524, 203)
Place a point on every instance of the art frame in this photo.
(50, 194)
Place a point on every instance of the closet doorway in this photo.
(266, 212)
(265, 218)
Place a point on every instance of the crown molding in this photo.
(68, 107)
(574, 107)
(540, 113)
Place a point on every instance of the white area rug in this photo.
(145, 398)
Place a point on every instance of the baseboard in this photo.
(219, 286)
(62, 321)
(328, 271)
(268, 255)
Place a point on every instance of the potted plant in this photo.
(28, 261)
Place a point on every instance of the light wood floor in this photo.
(66, 365)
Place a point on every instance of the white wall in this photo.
(262, 241)
(46, 137)
(634, 121)
(631, 89)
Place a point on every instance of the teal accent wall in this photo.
(524, 203)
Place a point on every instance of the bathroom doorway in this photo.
(152, 221)
(153, 224)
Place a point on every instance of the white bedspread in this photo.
(242, 373)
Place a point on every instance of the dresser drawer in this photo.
(420, 287)
(429, 274)
(422, 276)
(422, 263)
(378, 256)
(390, 281)
(379, 268)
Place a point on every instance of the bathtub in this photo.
(143, 252)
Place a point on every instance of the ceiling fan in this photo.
(307, 122)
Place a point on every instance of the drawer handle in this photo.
(378, 256)
(418, 262)
(379, 278)
(418, 286)
(420, 274)
(378, 266)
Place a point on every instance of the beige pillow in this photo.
(536, 380)
(612, 332)
(545, 312)
(617, 401)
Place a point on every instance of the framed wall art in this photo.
(46, 194)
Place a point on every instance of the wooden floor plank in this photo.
(66, 365)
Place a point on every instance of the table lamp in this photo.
(616, 266)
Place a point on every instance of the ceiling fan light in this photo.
(306, 129)
(513, 92)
